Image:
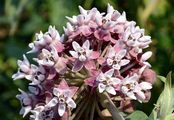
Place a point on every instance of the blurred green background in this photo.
(21, 19)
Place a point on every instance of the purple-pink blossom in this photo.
(98, 53)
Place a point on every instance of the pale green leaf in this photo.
(170, 117)
(165, 103)
(137, 115)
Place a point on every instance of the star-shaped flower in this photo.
(47, 58)
(133, 89)
(26, 102)
(116, 59)
(47, 40)
(83, 55)
(24, 69)
(107, 82)
(63, 97)
(42, 113)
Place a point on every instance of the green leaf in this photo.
(162, 78)
(165, 103)
(137, 115)
(170, 117)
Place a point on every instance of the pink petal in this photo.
(59, 47)
(73, 90)
(101, 60)
(149, 75)
(60, 66)
(52, 74)
(63, 85)
(90, 64)
(48, 96)
(77, 66)
(85, 30)
(94, 55)
(90, 81)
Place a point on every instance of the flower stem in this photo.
(78, 109)
(128, 67)
(98, 110)
(111, 106)
(93, 108)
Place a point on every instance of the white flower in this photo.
(46, 40)
(24, 69)
(47, 58)
(41, 113)
(25, 102)
(133, 89)
(35, 89)
(107, 82)
(115, 59)
(37, 76)
(63, 97)
(81, 53)
(134, 37)
(38, 43)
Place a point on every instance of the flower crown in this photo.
(99, 53)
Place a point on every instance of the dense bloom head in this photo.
(98, 53)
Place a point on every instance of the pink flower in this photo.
(115, 59)
(83, 55)
(107, 82)
(63, 97)
(24, 69)
(37, 76)
(26, 102)
(47, 58)
(96, 49)
(133, 89)
(47, 40)
(134, 37)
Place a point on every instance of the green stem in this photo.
(111, 107)
(82, 110)
(98, 110)
(93, 109)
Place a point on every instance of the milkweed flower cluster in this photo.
(98, 53)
